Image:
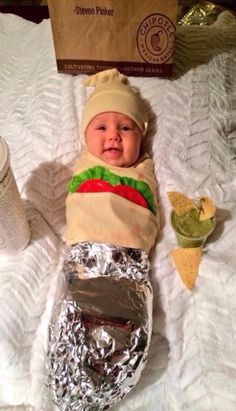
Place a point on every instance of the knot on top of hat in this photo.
(105, 77)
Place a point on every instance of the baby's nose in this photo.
(115, 135)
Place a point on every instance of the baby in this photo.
(101, 324)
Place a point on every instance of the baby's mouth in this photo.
(111, 149)
(112, 153)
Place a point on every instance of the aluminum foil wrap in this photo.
(201, 13)
(101, 327)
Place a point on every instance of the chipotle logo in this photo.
(155, 39)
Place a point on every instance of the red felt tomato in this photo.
(130, 194)
(94, 186)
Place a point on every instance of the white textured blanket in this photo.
(192, 361)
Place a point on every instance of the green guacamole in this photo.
(188, 224)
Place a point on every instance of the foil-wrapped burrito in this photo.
(101, 326)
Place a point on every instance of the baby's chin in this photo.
(115, 162)
(118, 162)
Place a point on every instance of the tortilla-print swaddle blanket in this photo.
(101, 325)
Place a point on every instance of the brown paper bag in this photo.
(134, 36)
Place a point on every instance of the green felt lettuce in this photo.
(102, 173)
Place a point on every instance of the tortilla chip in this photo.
(208, 208)
(186, 262)
(180, 202)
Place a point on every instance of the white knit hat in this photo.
(113, 93)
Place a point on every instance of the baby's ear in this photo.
(104, 77)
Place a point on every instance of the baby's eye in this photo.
(125, 127)
(101, 128)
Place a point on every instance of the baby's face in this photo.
(114, 138)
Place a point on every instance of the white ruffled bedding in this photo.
(192, 361)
